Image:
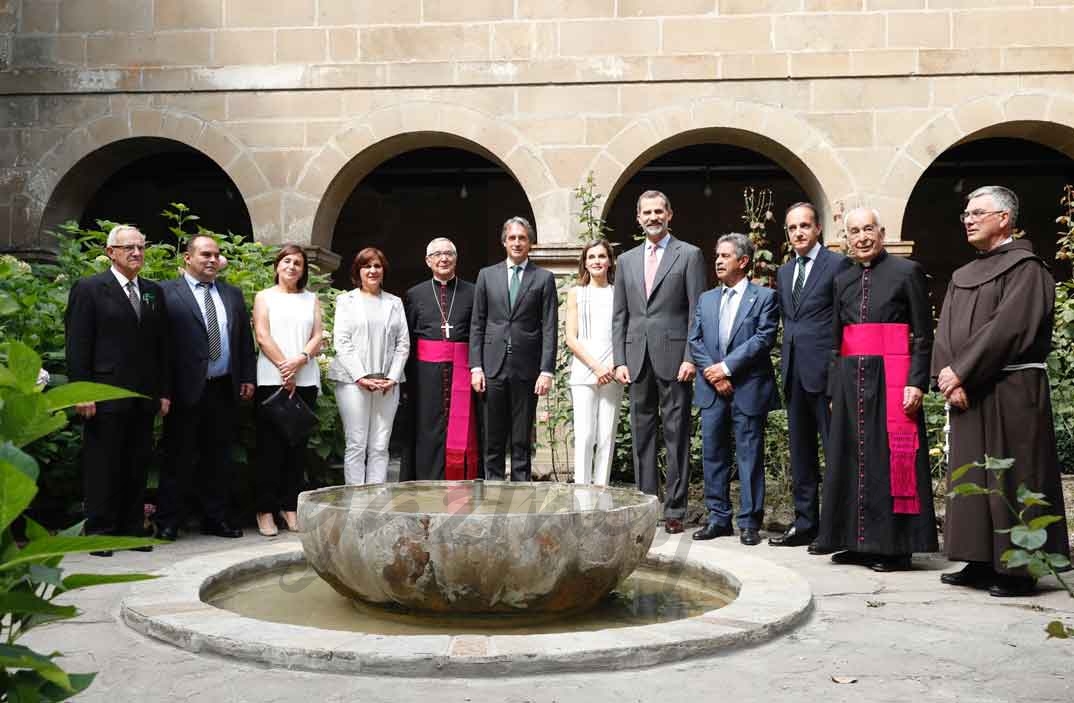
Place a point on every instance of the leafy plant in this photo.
(30, 575)
(757, 213)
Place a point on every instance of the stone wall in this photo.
(298, 100)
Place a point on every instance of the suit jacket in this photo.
(753, 334)
(190, 340)
(807, 328)
(657, 325)
(529, 328)
(108, 343)
(349, 332)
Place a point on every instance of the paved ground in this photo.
(901, 637)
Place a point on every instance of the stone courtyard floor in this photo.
(884, 637)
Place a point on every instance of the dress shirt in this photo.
(221, 366)
(123, 281)
(661, 247)
(811, 258)
(736, 300)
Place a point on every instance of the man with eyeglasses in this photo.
(992, 341)
(117, 333)
(441, 401)
(877, 508)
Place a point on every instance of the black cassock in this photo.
(428, 305)
(857, 506)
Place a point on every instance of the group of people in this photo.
(858, 356)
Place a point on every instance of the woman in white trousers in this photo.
(372, 346)
(596, 395)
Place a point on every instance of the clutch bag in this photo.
(290, 415)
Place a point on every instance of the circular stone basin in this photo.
(471, 547)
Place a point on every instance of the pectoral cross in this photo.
(446, 327)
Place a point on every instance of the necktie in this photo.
(726, 318)
(799, 280)
(212, 327)
(516, 281)
(650, 270)
(132, 294)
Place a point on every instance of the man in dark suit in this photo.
(656, 287)
(806, 285)
(734, 330)
(117, 333)
(214, 366)
(513, 348)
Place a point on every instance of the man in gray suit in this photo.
(656, 289)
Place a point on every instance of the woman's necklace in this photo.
(445, 326)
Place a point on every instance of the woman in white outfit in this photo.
(595, 393)
(372, 346)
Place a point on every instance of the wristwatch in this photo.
(306, 354)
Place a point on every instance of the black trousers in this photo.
(510, 413)
(198, 439)
(281, 467)
(808, 416)
(654, 400)
(117, 445)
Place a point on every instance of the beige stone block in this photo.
(218, 146)
(179, 79)
(120, 103)
(343, 45)
(791, 132)
(526, 164)
(902, 176)
(208, 106)
(833, 5)
(1014, 27)
(258, 13)
(891, 62)
(638, 99)
(609, 37)
(1062, 83)
(1051, 58)
(266, 135)
(664, 68)
(707, 35)
(247, 177)
(171, 49)
(736, 66)
(672, 122)
(568, 100)
(560, 9)
(828, 32)
(828, 169)
(938, 136)
(424, 73)
(105, 15)
(420, 117)
(350, 76)
(872, 5)
(632, 142)
(298, 217)
(844, 129)
(559, 131)
(849, 94)
(1061, 111)
(615, 69)
(468, 11)
(763, 7)
(894, 127)
(778, 93)
(956, 61)
(955, 90)
(188, 14)
(301, 45)
(320, 171)
(568, 164)
(667, 8)
(265, 218)
(353, 140)
(109, 129)
(70, 109)
(426, 43)
(824, 64)
(320, 132)
(39, 16)
(868, 166)
(281, 166)
(283, 104)
(978, 114)
(497, 102)
(919, 30)
(601, 130)
(32, 52)
(182, 127)
(512, 40)
(1026, 106)
(239, 47)
(366, 12)
(546, 40)
(984, 4)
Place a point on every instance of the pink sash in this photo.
(461, 450)
(892, 342)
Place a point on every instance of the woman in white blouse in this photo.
(372, 346)
(596, 395)
(288, 327)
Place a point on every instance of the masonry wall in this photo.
(298, 100)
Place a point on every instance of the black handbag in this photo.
(290, 415)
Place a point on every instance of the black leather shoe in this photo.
(712, 531)
(220, 528)
(168, 533)
(793, 538)
(815, 549)
(749, 536)
(146, 548)
(102, 553)
(976, 574)
(673, 526)
(886, 563)
(1007, 586)
(855, 558)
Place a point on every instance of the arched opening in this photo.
(706, 181)
(133, 180)
(402, 201)
(1037, 173)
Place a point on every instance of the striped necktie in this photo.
(212, 326)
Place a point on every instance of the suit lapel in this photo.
(115, 290)
(528, 274)
(749, 296)
(187, 296)
(671, 252)
(819, 265)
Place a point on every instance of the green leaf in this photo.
(962, 471)
(75, 581)
(44, 425)
(73, 531)
(1039, 523)
(1057, 561)
(1027, 538)
(39, 573)
(995, 464)
(1038, 567)
(8, 305)
(19, 459)
(1058, 630)
(23, 603)
(16, 656)
(1030, 498)
(34, 530)
(1014, 558)
(57, 546)
(24, 363)
(85, 392)
(968, 489)
(17, 490)
(7, 379)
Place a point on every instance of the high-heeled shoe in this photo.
(290, 518)
(266, 525)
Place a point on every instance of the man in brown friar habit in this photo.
(877, 485)
(994, 335)
(444, 407)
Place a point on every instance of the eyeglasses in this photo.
(976, 215)
(439, 254)
(128, 247)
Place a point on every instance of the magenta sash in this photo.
(461, 450)
(892, 342)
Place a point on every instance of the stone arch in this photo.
(62, 180)
(774, 132)
(1043, 118)
(330, 176)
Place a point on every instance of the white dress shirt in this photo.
(736, 300)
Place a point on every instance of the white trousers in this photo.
(367, 426)
(596, 411)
